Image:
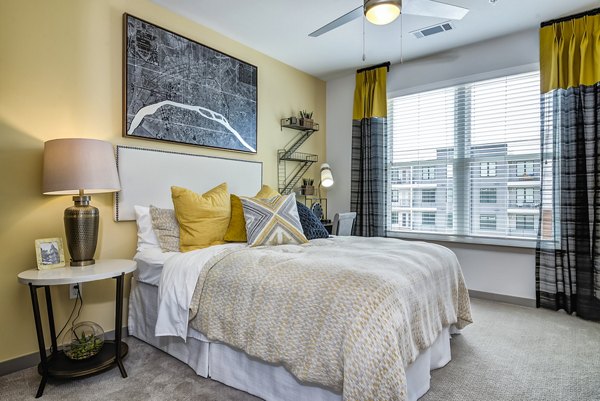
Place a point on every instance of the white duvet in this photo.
(177, 283)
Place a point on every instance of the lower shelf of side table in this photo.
(61, 367)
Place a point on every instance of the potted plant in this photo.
(307, 187)
(306, 119)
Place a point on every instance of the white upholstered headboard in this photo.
(147, 176)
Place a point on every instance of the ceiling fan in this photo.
(381, 12)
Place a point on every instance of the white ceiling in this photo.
(280, 28)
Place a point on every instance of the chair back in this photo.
(343, 223)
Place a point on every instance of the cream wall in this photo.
(60, 76)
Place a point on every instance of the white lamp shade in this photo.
(382, 12)
(326, 176)
(74, 164)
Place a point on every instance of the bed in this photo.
(174, 295)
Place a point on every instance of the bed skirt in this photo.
(236, 369)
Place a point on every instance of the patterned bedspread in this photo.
(349, 313)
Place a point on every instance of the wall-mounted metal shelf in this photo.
(288, 178)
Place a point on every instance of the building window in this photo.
(487, 195)
(487, 222)
(464, 141)
(428, 196)
(487, 169)
(395, 176)
(525, 168)
(405, 220)
(525, 222)
(428, 218)
(395, 196)
(394, 217)
(428, 173)
(404, 197)
(525, 195)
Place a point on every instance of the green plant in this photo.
(83, 347)
(306, 115)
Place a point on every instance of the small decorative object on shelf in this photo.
(87, 339)
(307, 186)
(306, 119)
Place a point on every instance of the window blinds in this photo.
(465, 160)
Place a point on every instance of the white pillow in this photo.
(146, 237)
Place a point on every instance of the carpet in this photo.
(509, 353)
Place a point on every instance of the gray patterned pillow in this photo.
(272, 221)
(164, 224)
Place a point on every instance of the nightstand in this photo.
(57, 364)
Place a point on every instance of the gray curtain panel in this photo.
(369, 176)
(567, 259)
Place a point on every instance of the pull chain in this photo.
(364, 57)
(401, 40)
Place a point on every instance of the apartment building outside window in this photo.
(473, 155)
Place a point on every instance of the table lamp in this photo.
(78, 166)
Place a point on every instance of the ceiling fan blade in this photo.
(352, 15)
(430, 8)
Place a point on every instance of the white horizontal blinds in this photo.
(421, 156)
(482, 142)
(505, 133)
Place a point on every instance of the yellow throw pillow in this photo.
(236, 232)
(203, 219)
(266, 192)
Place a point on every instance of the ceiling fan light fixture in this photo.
(382, 12)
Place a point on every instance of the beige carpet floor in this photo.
(510, 353)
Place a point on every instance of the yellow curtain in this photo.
(370, 96)
(570, 53)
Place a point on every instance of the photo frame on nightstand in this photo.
(49, 253)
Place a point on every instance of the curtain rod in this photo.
(373, 67)
(570, 17)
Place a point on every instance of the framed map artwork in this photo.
(178, 90)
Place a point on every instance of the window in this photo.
(479, 144)
(428, 196)
(488, 169)
(394, 217)
(395, 176)
(404, 197)
(525, 195)
(487, 222)
(428, 173)
(525, 168)
(487, 195)
(405, 220)
(428, 218)
(525, 222)
(395, 195)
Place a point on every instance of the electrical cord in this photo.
(79, 300)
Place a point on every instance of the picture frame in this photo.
(49, 253)
(178, 90)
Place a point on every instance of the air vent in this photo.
(432, 30)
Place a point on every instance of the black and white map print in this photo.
(181, 91)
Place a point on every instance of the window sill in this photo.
(502, 242)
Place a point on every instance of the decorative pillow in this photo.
(146, 236)
(311, 225)
(272, 221)
(166, 228)
(203, 219)
(266, 192)
(236, 232)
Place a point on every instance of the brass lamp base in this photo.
(81, 229)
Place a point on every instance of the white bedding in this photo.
(177, 284)
(150, 262)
